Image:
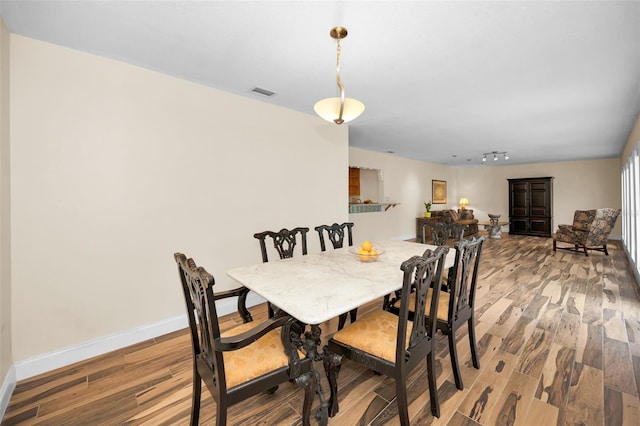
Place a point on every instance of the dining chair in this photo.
(246, 360)
(336, 235)
(439, 232)
(457, 230)
(392, 344)
(456, 306)
(284, 242)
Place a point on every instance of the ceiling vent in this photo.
(263, 92)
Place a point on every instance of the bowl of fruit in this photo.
(366, 252)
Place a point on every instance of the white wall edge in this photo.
(8, 386)
(66, 356)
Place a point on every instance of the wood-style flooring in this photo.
(558, 335)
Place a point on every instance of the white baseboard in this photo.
(69, 355)
(8, 385)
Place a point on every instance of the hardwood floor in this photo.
(558, 336)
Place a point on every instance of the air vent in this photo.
(263, 92)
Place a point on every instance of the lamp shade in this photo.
(464, 201)
(329, 109)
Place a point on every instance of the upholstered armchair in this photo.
(590, 231)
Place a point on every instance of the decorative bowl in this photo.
(494, 216)
(366, 256)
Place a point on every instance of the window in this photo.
(630, 178)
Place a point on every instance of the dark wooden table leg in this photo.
(332, 362)
(312, 343)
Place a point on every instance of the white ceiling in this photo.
(442, 82)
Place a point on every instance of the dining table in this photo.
(317, 287)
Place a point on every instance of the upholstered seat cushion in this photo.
(443, 304)
(374, 333)
(264, 355)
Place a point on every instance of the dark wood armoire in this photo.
(531, 206)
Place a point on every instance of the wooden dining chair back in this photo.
(246, 360)
(442, 232)
(439, 232)
(336, 235)
(392, 344)
(457, 230)
(456, 304)
(284, 242)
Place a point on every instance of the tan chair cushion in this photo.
(443, 304)
(261, 357)
(375, 333)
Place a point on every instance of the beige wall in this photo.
(114, 168)
(576, 185)
(6, 359)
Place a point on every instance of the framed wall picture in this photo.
(439, 191)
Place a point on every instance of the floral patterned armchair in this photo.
(590, 230)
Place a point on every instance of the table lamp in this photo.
(464, 201)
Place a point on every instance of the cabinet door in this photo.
(518, 225)
(519, 195)
(539, 196)
(354, 181)
(539, 226)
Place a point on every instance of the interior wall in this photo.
(634, 138)
(406, 182)
(577, 185)
(6, 359)
(115, 168)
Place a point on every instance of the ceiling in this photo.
(442, 82)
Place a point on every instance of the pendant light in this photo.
(339, 109)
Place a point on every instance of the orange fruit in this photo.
(366, 246)
(373, 255)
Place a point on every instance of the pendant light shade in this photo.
(339, 109)
(329, 109)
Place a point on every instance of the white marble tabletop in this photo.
(320, 286)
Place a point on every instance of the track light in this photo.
(495, 155)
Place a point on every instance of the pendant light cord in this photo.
(339, 120)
